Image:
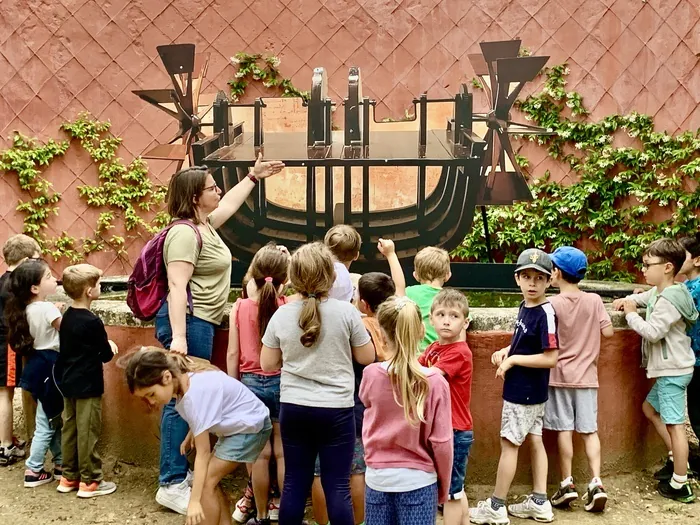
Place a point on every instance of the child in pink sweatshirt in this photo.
(407, 404)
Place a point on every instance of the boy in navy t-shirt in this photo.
(524, 367)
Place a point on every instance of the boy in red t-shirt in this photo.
(449, 315)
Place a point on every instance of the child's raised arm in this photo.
(387, 249)
(659, 323)
(234, 350)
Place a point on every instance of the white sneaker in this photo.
(529, 509)
(176, 497)
(243, 510)
(273, 509)
(484, 514)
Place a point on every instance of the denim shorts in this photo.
(267, 389)
(358, 460)
(463, 440)
(667, 396)
(243, 448)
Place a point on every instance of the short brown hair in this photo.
(344, 242)
(451, 297)
(374, 288)
(19, 247)
(78, 277)
(668, 250)
(431, 264)
(184, 188)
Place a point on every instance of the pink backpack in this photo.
(147, 287)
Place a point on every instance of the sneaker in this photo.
(273, 509)
(256, 521)
(245, 507)
(175, 497)
(96, 488)
(683, 494)
(67, 485)
(529, 509)
(665, 473)
(595, 498)
(36, 479)
(484, 514)
(565, 495)
(57, 472)
(9, 455)
(19, 443)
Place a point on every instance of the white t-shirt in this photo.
(40, 315)
(220, 404)
(342, 286)
(321, 376)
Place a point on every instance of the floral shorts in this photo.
(517, 421)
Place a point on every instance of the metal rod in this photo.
(485, 218)
(310, 202)
(365, 206)
(420, 198)
(328, 207)
(347, 195)
(423, 125)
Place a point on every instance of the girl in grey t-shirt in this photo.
(314, 341)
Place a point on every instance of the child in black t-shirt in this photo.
(524, 367)
(84, 348)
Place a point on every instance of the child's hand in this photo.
(386, 247)
(504, 367)
(629, 307)
(617, 304)
(638, 290)
(114, 347)
(187, 445)
(499, 356)
(195, 513)
(61, 307)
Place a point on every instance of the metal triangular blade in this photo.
(503, 49)
(178, 59)
(520, 69)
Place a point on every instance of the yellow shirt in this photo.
(211, 278)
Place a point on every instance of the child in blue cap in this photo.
(573, 384)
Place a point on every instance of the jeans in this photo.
(173, 429)
(267, 389)
(417, 507)
(462, 440)
(694, 402)
(306, 433)
(45, 438)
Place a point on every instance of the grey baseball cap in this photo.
(536, 259)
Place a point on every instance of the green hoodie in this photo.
(666, 347)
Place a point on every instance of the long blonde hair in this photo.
(312, 274)
(146, 366)
(400, 320)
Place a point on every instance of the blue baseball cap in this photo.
(571, 261)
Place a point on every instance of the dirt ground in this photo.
(633, 500)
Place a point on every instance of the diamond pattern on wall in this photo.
(70, 56)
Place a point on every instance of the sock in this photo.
(567, 481)
(595, 482)
(677, 481)
(497, 503)
(538, 498)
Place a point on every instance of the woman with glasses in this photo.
(199, 273)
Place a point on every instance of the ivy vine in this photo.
(124, 189)
(262, 69)
(619, 192)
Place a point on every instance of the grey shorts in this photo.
(517, 421)
(570, 409)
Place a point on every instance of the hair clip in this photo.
(401, 302)
(312, 296)
(268, 279)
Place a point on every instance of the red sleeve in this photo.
(440, 435)
(548, 328)
(422, 359)
(452, 363)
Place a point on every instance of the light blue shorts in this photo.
(243, 448)
(667, 396)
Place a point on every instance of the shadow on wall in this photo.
(628, 441)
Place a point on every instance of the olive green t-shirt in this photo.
(423, 295)
(211, 278)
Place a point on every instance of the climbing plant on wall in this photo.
(262, 69)
(123, 190)
(621, 191)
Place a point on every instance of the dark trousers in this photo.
(306, 433)
(694, 402)
(82, 424)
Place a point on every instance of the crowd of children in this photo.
(360, 389)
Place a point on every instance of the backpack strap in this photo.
(197, 234)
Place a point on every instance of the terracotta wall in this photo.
(60, 57)
(628, 441)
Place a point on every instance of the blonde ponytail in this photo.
(312, 274)
(400, 319)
